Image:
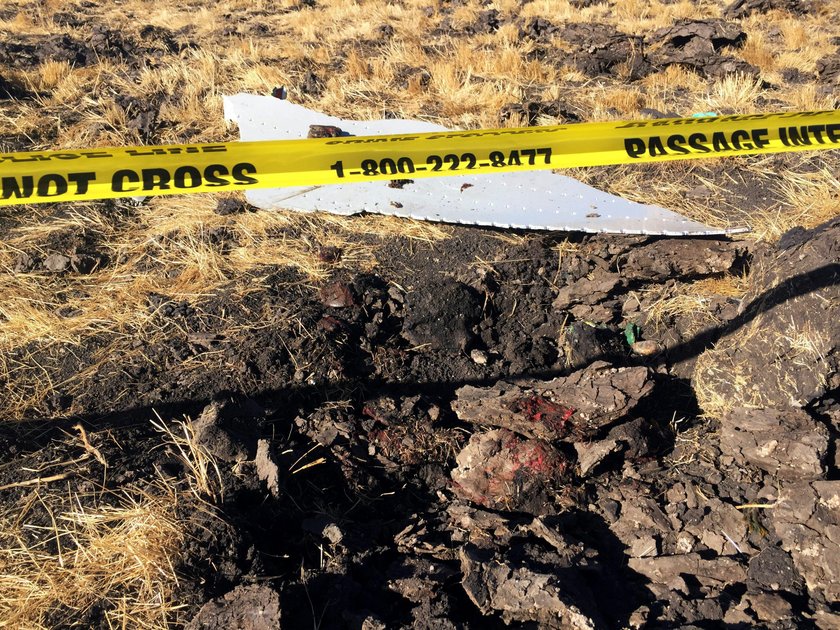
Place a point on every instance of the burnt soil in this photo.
(367, 374)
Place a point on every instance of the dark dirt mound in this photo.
(602, 50)
(701, 45)
(596, 48)
(743, 8)
(100, 43)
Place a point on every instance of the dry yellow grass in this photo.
(118, 556)
(735, 92)
(689, 301)
(111, 553)
(809, 199)
(202, 470)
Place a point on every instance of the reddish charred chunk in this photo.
(553, 415)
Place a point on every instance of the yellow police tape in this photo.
(72, 175)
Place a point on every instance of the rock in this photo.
(680, 259)
(794, 76)
(603, 313)
(743, 8)
(324, 527)
(807, 522)
(825, 620)
(593, 453)
(772, 569)
(267, 469)
(499, 470)
(722, 529)
(714, 574)
(370, 623)
(644, 546)
(736, 615)
(482, 528)
(333, 534)
(647, 348)
(639, 617)
(336, 295)
(787, 444)
(586, 290)
(214, 431)
(64, 48)
(487, 22)
(524, 594)
(440, 315)
(783, 348)
(578, 405)
(641, 526)
(550, 530)
(769, 607)
(253, 607)
(685, 543)
(539, 29)
(479, 357)
(418, 579)
(828, 68)
(519, 408)
(493, 530)
(56, 263)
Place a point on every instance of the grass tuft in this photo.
(93, 557)
(202, 471)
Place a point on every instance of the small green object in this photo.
(632, 333)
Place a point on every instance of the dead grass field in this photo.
(409, 58)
